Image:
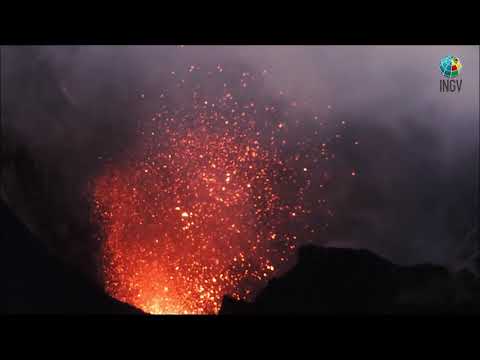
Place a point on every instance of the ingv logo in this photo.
(450, 67)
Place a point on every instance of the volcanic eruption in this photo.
(208, 203)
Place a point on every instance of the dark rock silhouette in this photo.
(347, 281)
(35, 282)
(324, 281)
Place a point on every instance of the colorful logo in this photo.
(450, 66)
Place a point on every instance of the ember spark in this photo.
(200, 208)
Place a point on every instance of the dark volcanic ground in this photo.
(346, 281)
(35, 282)
(324, 281)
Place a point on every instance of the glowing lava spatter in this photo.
(198, 211)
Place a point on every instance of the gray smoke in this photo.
(66, 109)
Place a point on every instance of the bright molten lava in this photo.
(199, 209)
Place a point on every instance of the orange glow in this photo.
(198, 209)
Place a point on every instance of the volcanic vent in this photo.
(204, 206)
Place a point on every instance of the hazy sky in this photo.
(417, 159)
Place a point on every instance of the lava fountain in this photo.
(200, 209)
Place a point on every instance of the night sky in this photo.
(403, 180)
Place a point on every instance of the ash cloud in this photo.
(67, 109)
